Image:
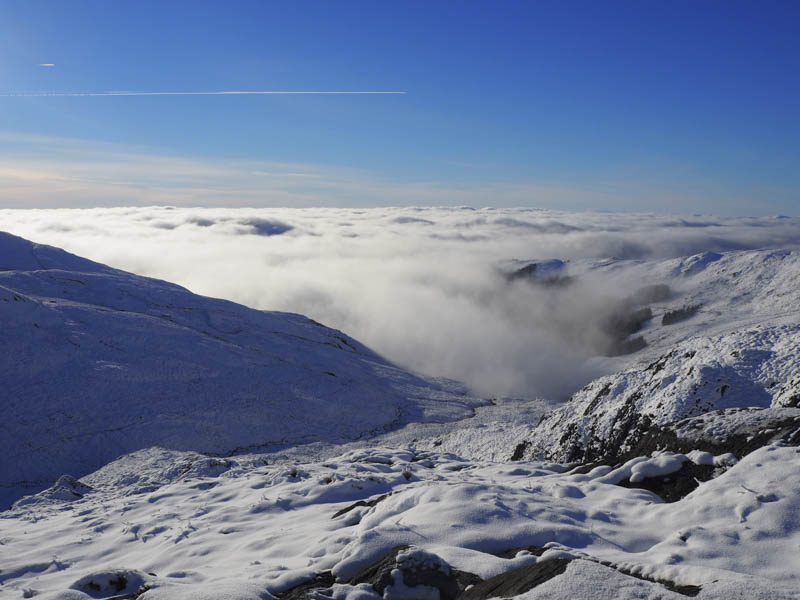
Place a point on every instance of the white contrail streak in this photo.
(219, 93)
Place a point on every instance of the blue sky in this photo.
(644, 106)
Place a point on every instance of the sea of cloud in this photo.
(425, 287)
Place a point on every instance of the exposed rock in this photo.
(622, 322)
(365, 503)
(627, 412)
(685, 590)
(518, 581)
(112, 585)
(65, 489)
(513, 552)
(519, 451)
(680, 314)
(677, 485)
(412, 567)
(546, 273)
(307, 589)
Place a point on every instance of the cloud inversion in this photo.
(423, 286)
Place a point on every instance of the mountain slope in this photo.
(98, 362)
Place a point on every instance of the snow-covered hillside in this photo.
(98, 362)
(676, 476)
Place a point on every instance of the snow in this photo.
(269, 527)
(214, 456)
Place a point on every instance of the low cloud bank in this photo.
(420, 285)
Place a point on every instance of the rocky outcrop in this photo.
(516, 582)
(406, 567)
(636, 410)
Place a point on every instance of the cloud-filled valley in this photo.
(426, 287)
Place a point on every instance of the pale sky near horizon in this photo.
(620, 106)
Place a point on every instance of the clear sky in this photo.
(648, 106)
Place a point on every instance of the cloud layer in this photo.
(423, 286)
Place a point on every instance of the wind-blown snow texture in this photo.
(171, 523)
(99, 362)
(191, 527)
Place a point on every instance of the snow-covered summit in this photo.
(99, 362)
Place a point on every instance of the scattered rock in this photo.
(519, 451)
(677, 485)
(681, 314)
(516, 582)
(513, 552)
(118, 584)
(66, 489)
(366, 503)
(308, 589)
(412, 567)
(685, 590)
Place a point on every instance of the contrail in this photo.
(218, 93)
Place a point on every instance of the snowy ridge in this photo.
(99, 362)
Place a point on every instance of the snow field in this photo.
(243, 527)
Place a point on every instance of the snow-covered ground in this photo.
(343, 469)
(187, 526)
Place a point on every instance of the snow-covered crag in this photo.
(99, 362)
(756, 367)
(736, 348)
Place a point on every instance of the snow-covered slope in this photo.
(98, 362)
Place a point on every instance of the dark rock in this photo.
(512, 553)
(621, 323)
(600, 395)
(685, 590)
(517, 581)
(739, 442)
(624, 322)
(681, 314)
(307, 589)
(131, 596)
(623, 347)
(642, 439)
(526, 578)
(112, 585)
(677, 485)
(419, 568)
(532, 273)
(519, 451)
(347, 509)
